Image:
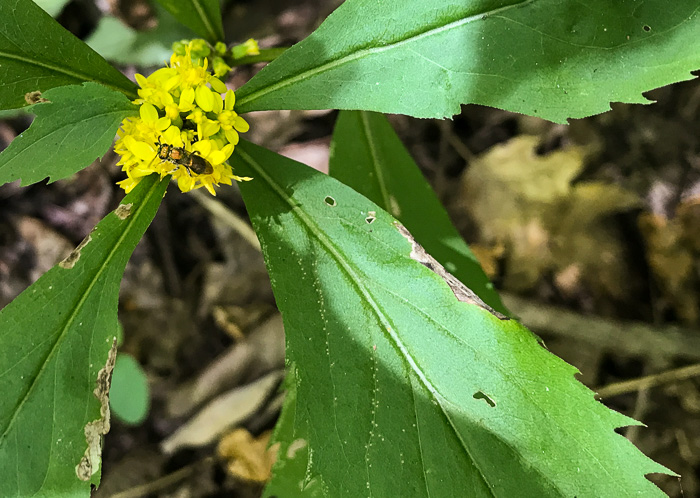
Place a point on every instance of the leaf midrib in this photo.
(359, 54)
(378, 170)
(71, 317)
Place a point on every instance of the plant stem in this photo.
(265, 55)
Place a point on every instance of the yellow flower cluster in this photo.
(185, 128)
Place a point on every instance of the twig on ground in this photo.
(648, 381)
(165, 481)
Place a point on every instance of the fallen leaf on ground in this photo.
(228, 410)
(549, 225)
(248, 458)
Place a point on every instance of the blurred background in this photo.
(591, 231)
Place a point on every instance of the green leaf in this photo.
(201, 16)
(367, 155)
(129, 396)
(119, 43)
(546, 58)
(403, 389)
(36, 53)
(56, 338)
(74, 128)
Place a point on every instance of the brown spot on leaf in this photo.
(94, 430)
(34, 97)
(123, 211)
(74, 256)
(461, 291)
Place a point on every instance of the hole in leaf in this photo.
(330, 201)
(371, 216)
(647, 28)
(485, 397)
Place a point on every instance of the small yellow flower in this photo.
(185, 127)
(231, 122)
(185, 104)
(153, 88)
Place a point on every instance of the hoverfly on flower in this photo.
(191, 161)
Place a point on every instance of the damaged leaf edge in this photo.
(95, 430)
(74, 256)
(462, 292)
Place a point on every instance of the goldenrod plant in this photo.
(406, 375)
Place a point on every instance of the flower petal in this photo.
(186, 99)
(142, 150)
(210, 188)
(162, 123)
(240, 124)
(172, 136)
(203, 147)
(227, 150)
(218, 105)
(232, 136)
(185, 183)
(204, 98)
(128, 184)
(210, 128)
(230, 100)
(148, 112)
(217, 85)
(217, 157)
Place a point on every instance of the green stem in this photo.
(265, 55)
